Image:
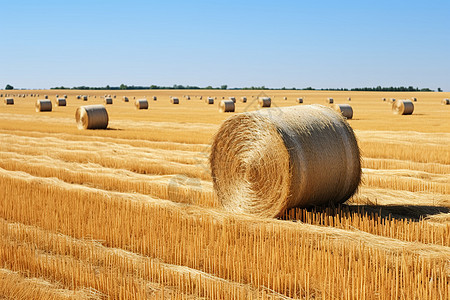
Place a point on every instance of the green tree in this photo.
(439, 90)
(223, 87)
(123, 87)
(9, 87)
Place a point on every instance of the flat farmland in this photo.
(130, 212)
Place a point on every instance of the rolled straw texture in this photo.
(264, 102)
(209, 100)
(108, 100)
(344, 109)
(174, 100)
(265, 162)
(43, 105)
(403, 107)
(9, 101)
(92, 117)
(445, 101)
(61, 102)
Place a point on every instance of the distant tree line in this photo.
(225, 87)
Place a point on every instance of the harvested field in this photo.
(130, 212)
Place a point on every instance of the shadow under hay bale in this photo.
(264, 162)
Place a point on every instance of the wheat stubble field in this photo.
(130, 212)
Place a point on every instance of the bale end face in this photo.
(92, 117)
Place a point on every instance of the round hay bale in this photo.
(264, 102)
(244, 99)
(61, 102)
(85, 98)
(114, 96)
(65, 96)
(209, 100)
(233, 99)
(108, 100)
(226, 106)
(9, 101)
(78, 97)
(174, 100)
(46, 96)
(141, 104)
(392, 100)
(383, 99)
(284, 98)
(201, 97)
(349, 99)
(188, 97)
(125, 99)
(155, 98)
(265, 162)
(91, 117)
(57, 96)
(344, 109)
(403, 107)
(300, 100)
(330, 101)
(445, 102)
(414, 99)
(43, 105)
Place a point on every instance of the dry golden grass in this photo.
(130, 213)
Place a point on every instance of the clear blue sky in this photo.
(239, 43)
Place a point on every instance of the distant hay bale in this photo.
(330, 101)
(85, 98)
(155, 98)
(91, 117)
(344, 109)
(114, 96)
(141, 104)
(108, 100)
(65, 96)
(125, 99)
(392, 100)
(209, 100)
(43, 105)
(188, 97)
(243, 99)
(9, 101)
(233, 99)
(383, 99)
(414, 99)
(201, 97)
(57, 96)
(349, 99)
(61, 102)
(300, 100)
(174, 100)
(78, 97)
(264, 102)
(284, 98)
(265, 162)
(46, 96)
(226, 106)
(445, 101)
(403, 107)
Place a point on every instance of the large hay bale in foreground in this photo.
(43, 105)
(209, 100)
(445, 101)
(108, 100)
(264, 102)
(174, 100)
(92, 117)
(141, 104)
(265, 162)
(9, 101)
(61, 102)
(344, 109)
(403, 107)
(226, 106)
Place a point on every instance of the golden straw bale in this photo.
(9, 101)
(403, 107)
(264, 102)
(174, 100)
(243, 99)
(344, 109)
(91, 117)
(300, 100)
(108, 100)
(445, 101)
(226, 106)
(141, 104)
(265, 162)
(209, 100)
(61, 102)
(43, 105)
(329, 101)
